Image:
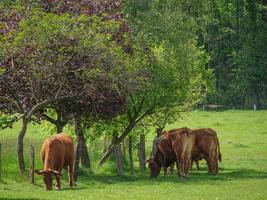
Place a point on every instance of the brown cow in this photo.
(174, 146)
(57, 152)
(207, 147)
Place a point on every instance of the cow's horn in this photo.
(57, 173)
(38, 171)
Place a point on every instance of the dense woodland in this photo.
(232, 32)
(127, 66)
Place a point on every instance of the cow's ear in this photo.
(56, 173)
(38, 171)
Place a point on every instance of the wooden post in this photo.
(0, 161)
(32, 158)
(142, 153)
(118, 156)
(131, 155)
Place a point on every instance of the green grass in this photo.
(243, 171)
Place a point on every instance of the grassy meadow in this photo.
(242, 175)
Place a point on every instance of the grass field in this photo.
(242, 175)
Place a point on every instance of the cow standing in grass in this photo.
(57, 153)
(175, 146)
(207, 147)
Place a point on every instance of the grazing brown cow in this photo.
(174, 146)
(57, 153)
(207, 147)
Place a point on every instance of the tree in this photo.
(60, 59)
(168, 62)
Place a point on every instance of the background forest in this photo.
(232, 33)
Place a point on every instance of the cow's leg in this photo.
(172, 168)
(177, 167)
(181, 167)
(197, 164)
(208, 164)
(165, 171)
(58, 182)
(212, 166)
(187, 166)
(71, 172)
(191, 164)
(182, 170)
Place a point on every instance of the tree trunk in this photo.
(124, 150)
(131, 155)
(85, 159)
(60, 127)
(118, 156)
(110, 148)
(237, 24)
(159, 132)
(141, 153)
(32, 164)
(20, 145)
(132, 122)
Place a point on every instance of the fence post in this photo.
(131, 155)
(142, 153)
(118, 156)
(254, 107)
(0, 161)
(31, 171)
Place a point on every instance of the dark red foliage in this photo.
(93, 98)
(89, 7)
(108, 9)
(9, 21)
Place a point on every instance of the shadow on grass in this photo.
(18, 198)
(194, 177)
(73, 188)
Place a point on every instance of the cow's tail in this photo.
(218, 148)
(213, 150)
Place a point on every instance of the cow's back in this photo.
(176, 142)
(205, 139)
(68, 148)
(57, 151)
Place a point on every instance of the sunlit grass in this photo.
(243, 172)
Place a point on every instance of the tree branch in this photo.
(50, 119)
(44, 103)
(60, 87)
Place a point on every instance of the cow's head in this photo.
(48, 177)
(154, 167)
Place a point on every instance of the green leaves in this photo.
(6, 121)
